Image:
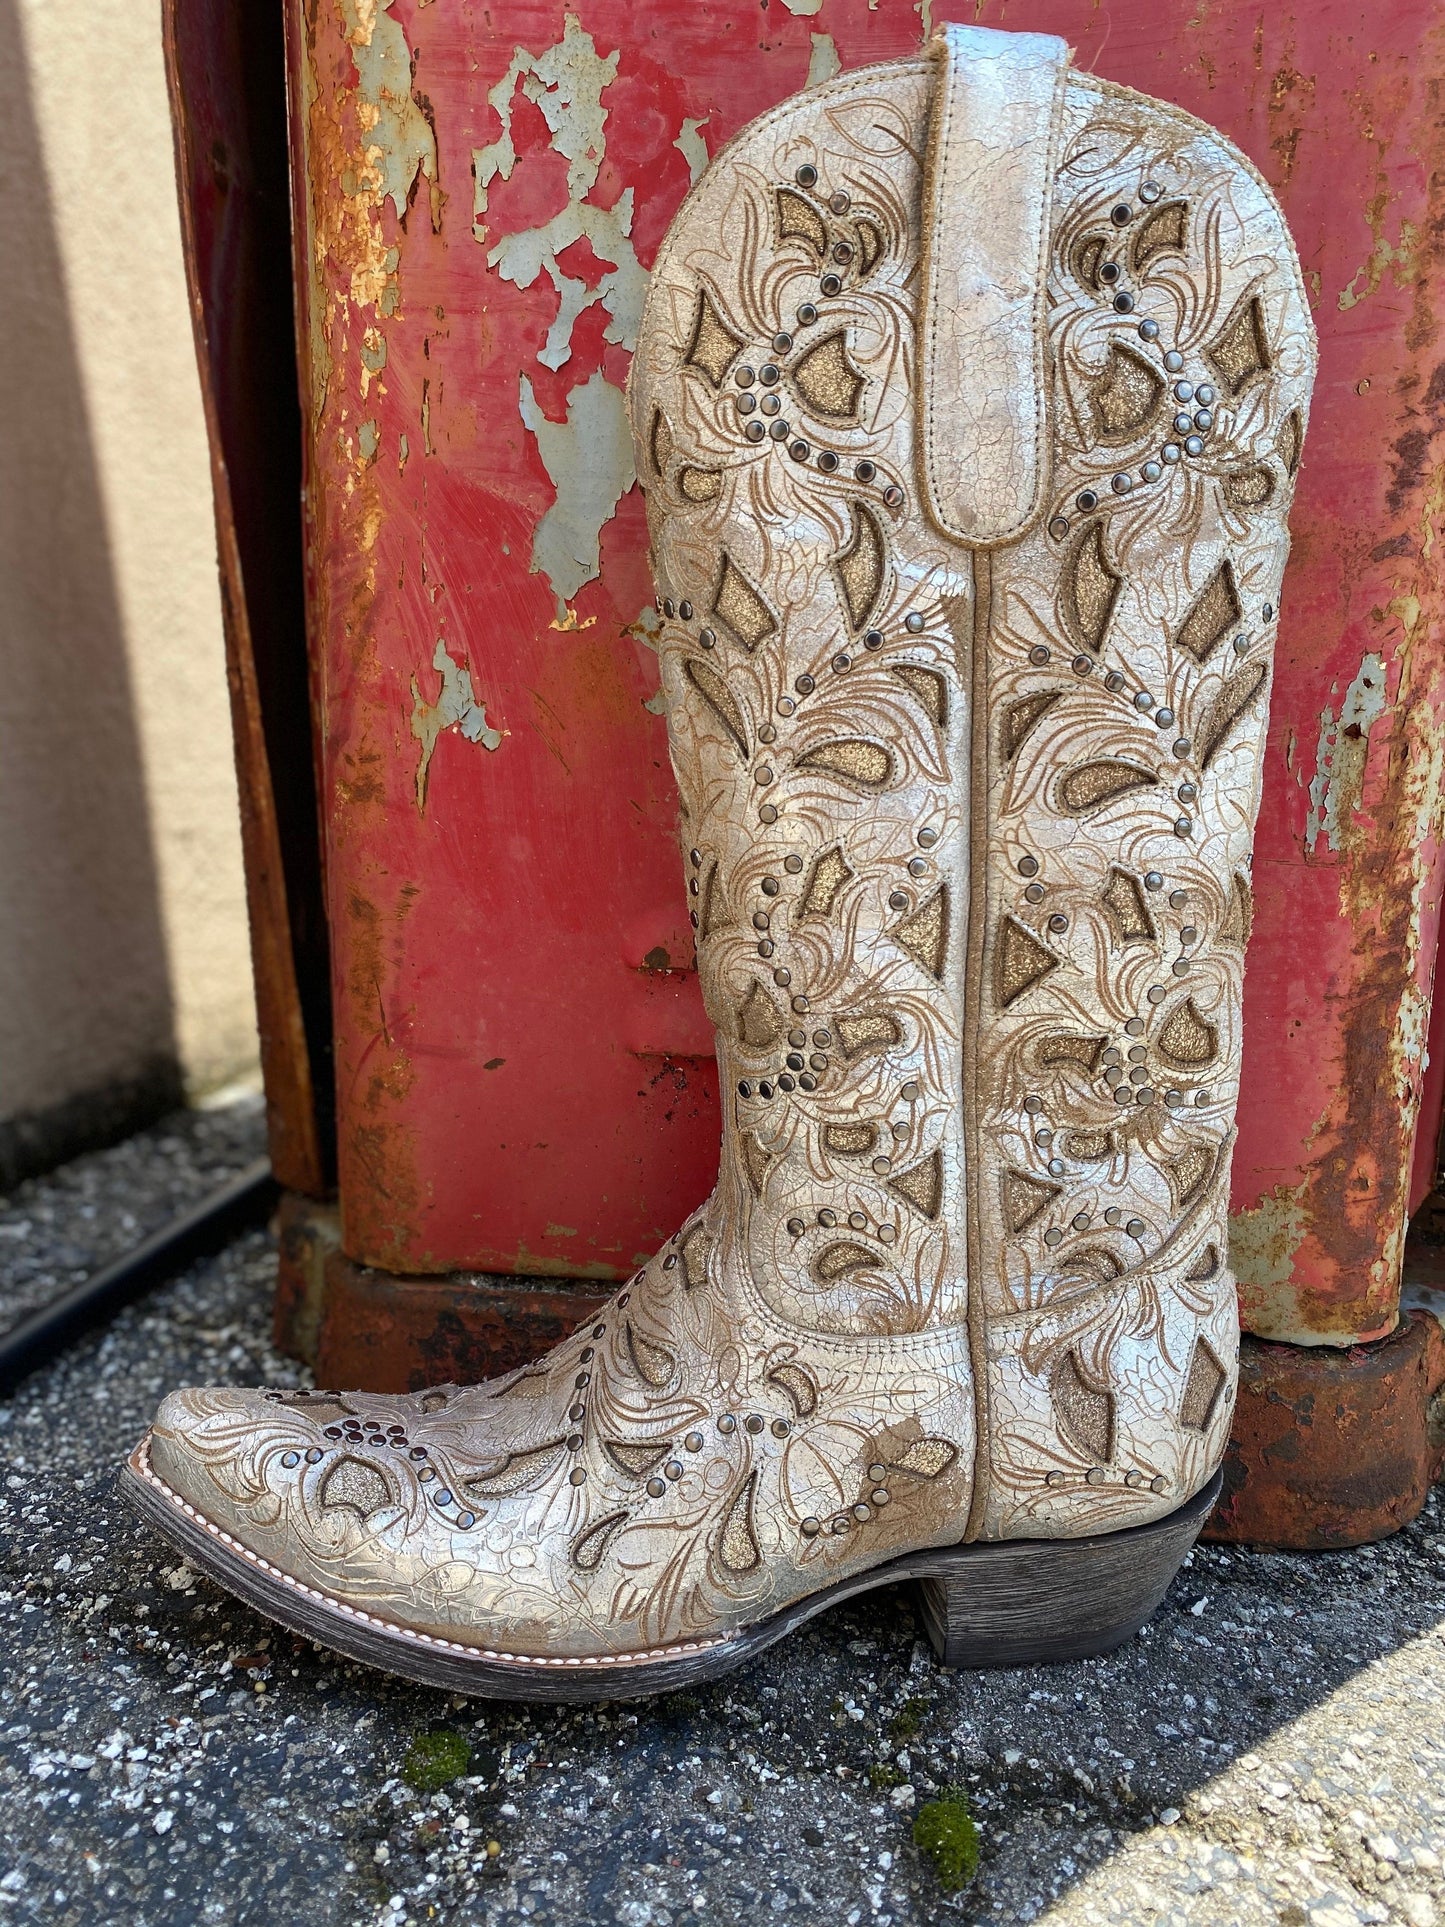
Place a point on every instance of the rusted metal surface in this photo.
(523, 1072)
(396, 1334)
(1333, 1447)
(306, 1232)
(224, 68)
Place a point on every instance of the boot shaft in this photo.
(968, 402)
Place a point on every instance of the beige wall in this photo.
(123, 953)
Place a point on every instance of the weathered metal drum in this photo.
(523, 1074)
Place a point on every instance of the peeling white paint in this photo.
(456, 707)
(824, 63)
(1341, 753)
(521, 258)
(589, 459)
(589, 456)
(693, 148)
(1264, 1238)
(368, 440)
(804, 7)
(402, 143)
(566, 84)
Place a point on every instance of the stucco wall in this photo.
(124, 968)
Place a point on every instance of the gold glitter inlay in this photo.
(1088, 589)
(1230, 703)
(827, 877)
(654, 1364)
(1020, 717)
(850, 1140)
(589, 1546)
(867, 765)
(826, 379)
(928, 687)
(720, 700)
(759, 1025)
(739, 607)
(860, 566)
(797, 1382)
(1125, 397)
(737, 1547)
(1239, 353)
(799, 220)
(712, 347)
(1020, 961)
(1123, 898)
(924, 934)
(1213, 613)
(1093, 785)
(1024, 1197)
(1188, 1040)
(1084, 1412)
(875, 1030)
(1202, 1388)
(1164, 230)
(922, 1186)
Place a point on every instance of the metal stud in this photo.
(1086, 500)
(1056, 1167)
(810, 1527)
(1053, 1236)
(768, 813)
(1034, 893)
(780, 431)
(1059, 527)
(1096, 1475)
(1169, 453)
(831, 284)
(672, 1470)
(927, 838)
(315, 1456)
(1194, 446)
(807, 175)
(655, 1488)
(805, 685)
(807, 315)
(1121, 483)
(288, 1459)
(1123, 303)
(753, 1423)
(827, 461)
(893, 496)
(755, 431)
(842, 663)
(913, 622)
(1149, 330)
(1173, 361)
(1156, 993)
(1151, 471)
(1135, 1228)
(1054, 1478)
(1028, 866)
(1182, 746)
(865, 471)
(1058, 922)
(799, 451)
(1121, 214)
(1143, 700)
(873, 639)
(1135, 1027)
(827, 1218)
(727, 1425)
(1114, 681)
(746, 404)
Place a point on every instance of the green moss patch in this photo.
(435, 1759)
(946, 1834)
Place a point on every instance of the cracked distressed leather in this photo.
(968, 403)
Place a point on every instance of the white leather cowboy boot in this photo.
(968, 403)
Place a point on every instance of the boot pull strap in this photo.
(982, 395)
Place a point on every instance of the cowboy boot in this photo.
(968, 403)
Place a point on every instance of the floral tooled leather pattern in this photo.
(970, 916)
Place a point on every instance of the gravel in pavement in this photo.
(1271, 1750)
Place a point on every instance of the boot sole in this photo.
(1018, 1602)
